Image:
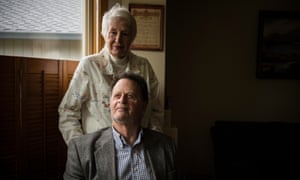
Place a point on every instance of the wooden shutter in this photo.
(9, 118)
(40, 98)
(31, 146)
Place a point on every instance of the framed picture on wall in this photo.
(150, 21)
(278, 54)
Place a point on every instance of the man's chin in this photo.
(120, 123)
(120, 120)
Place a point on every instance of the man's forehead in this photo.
(125, 84)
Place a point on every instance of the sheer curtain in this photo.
(92, 39)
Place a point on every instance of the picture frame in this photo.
(150, 26)
(278, 54)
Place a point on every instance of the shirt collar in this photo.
(120, 140)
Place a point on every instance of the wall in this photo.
(210, 75)
(68, 49)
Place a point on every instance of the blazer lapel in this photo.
(104, 156)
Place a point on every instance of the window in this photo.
(35, 19)
(60, 29)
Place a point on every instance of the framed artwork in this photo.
(150, 23)
(278, 54)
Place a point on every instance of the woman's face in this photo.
(118, 38)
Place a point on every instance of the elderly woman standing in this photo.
(85, 105)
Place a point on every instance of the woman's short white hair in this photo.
(117, 11)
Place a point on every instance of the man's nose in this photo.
(123, 99)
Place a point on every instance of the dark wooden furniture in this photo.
(31, 146)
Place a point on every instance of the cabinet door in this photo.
(39, 102)
(31, 146)
(43, 85)
(9, 118)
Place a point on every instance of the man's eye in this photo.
(125, 34)
(117, 96)
(131, 96)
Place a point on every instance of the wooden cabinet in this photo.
(9, 119)
(31, 90)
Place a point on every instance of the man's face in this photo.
(126, 104)
(118, 38)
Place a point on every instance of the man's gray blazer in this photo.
(92, 156)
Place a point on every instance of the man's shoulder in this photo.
(90, 139)
(157, 137)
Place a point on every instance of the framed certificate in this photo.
(150, 21)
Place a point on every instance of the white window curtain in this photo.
(92, 39)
